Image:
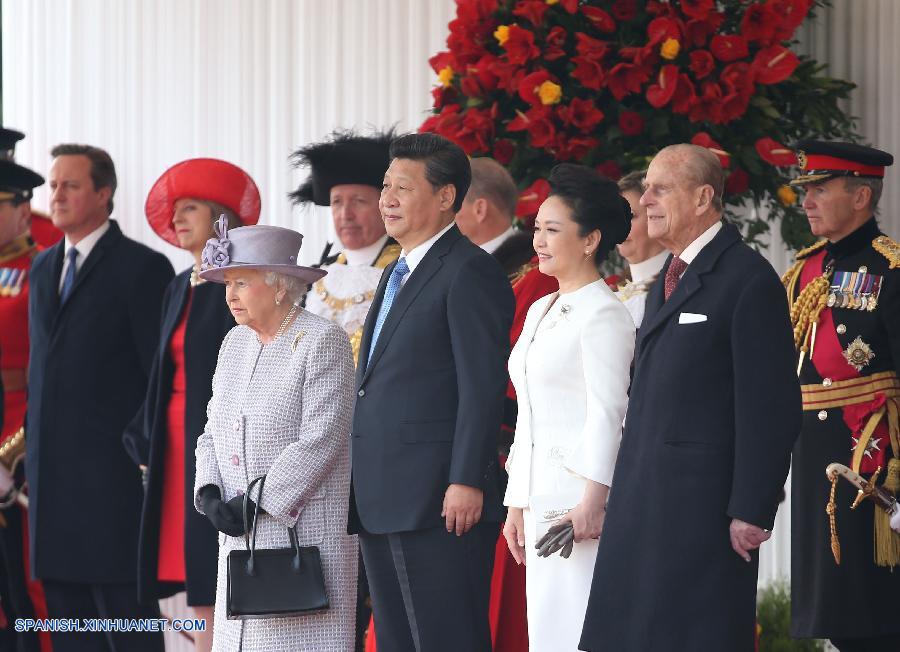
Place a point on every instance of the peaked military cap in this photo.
(17, 181)
(8, 140)
(345, 158)
(822, 160)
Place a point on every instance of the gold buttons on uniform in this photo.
(823, 414)
(841, 329)
(826, 382)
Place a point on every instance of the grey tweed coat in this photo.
(283, 409)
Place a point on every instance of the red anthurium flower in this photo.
(729, 48)
(589, 47)
(698, 31)
(504, 150)
(739, 77)
(659, 94)
(600, 19)
(759, 24)
(685, 95)
(661, 29)
(441, 60)
(520, 47)
(589, 73)
(573, 148)
(482, 71)
(528, 86)
(569, 5)
(476, 131)
(537, 122)
(791, 13)
(774, 64)
(508, 74)
(442, 96)
(470, 87)
(702, 63)
(624, 10)
(774, 153)
(532, 197)
(610, 169)
(555, 40)
(737, 182)
(708, 105)
(631, 123)
(580, 113)
(531, 10)
(703, 139)
(625, 78)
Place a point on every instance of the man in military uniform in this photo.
(845, 309)
(346, 173)
(19, 596)
(486, 218)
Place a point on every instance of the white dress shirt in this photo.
(84, 248)
(692, 250)
(417, 253)
(491, 245)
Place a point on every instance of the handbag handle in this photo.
(250, 531)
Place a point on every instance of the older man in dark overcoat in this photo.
(713, 414)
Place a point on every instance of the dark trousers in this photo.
(430, 589)
(14, 599)
(80, 601)
(875, 644)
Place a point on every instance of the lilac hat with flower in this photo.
(261, 247)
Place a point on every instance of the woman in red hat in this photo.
(178, 547)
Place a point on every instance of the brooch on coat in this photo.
(296, 342)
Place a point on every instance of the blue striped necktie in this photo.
(69, 278)
(390, 291)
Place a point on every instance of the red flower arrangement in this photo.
(608, 83)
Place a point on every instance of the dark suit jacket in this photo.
(146, 437)
(713, 413)
(88, 368)
(430, 401)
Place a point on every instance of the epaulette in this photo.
(389, 254)
(521, 273)
(813, 248)
(888, 248)
(790, 278)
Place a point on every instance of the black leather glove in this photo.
(236, 506)
(220, 514)
(559, 537)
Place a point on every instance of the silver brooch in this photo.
(565, 309)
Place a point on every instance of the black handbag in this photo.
(273, 583)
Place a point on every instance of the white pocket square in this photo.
(690, 318)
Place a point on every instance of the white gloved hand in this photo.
(6, 482)
(895, 519)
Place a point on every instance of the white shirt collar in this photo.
(416, 254)
(86, 244)
(366, 255)
(690, 252)
(648, 268)
(491, 245)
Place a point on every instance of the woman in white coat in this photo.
(570, 368)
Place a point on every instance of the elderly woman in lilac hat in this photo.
(281, 406)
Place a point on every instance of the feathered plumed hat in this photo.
(346, 157)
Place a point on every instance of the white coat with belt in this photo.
(570, 368)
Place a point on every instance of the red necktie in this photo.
(673, 274)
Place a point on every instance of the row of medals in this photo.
(854, 290)
(12, 280)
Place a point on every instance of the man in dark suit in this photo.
(94, 313)
(713, 413)
(431, 384)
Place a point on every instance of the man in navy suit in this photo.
(94, 313)
(713, 413)
(431, 385)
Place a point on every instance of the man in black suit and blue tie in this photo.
(431, 384)
(94, 312)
